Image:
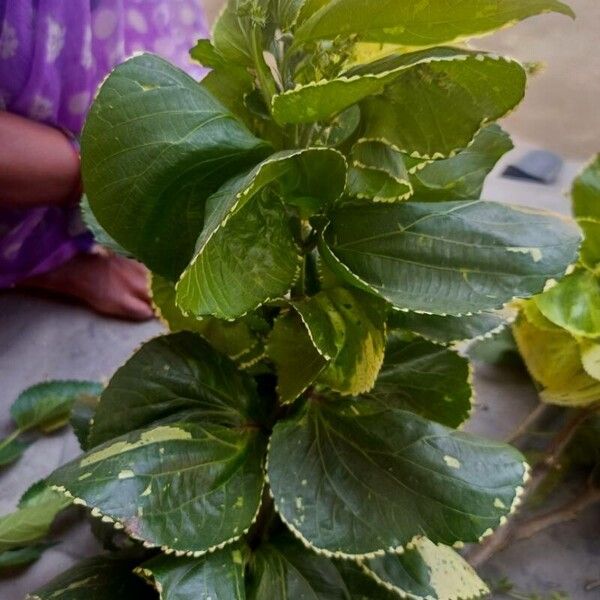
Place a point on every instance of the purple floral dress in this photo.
(53, 56)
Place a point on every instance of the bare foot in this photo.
(110, 284)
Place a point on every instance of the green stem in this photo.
(265, 78)
(11, 438)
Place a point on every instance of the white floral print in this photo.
(41, 108)
(55, 40)
(8, 41)
(87, 58)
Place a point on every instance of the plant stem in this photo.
(531, 419)
(263, 73)
(506, 534)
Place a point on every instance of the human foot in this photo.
(109, 284)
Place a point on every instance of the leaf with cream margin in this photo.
(590, 357)
(215, 576)
(387, 477)
(586, 208)
(171, 375)
(424, 378)
(246, 254)
(574, 304)
(427, 571)
(553, 359)
(155, 146)
(425, 23)
(451, 78)
(435, 109)
(347, 327)
(186, 487)
(449, 258)
(450, 330)
(377, 172)
(462, 176)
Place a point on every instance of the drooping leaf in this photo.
(188, 487)
(449, 330)
(237, 339)
(167, 376)
(31, 521)
(586, 208)
(297, 360)
(284, 570)
(348, 329)
(207, 55)
(378, 173)
(231, 36)
(427, 571)
(99, 578)
(552, 358)
(427, 379)
(424, 23)
(155, 146)
(462, 176)
(246, 254)
(387, 478)
(21, 557)
(574, 304)
(451, 78)
(11, 450)
(435, 109)
(449, 258)
(47, 405)
(216, 576)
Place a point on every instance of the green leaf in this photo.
(32, 520)
(47, 405)
(155, 146)
(99, 578)
(237, 339)
(586, 208)
(170, 375)
(378, 173)
(185, 487)
(231, 36)
(462, 176)
(11, 450)
(427, 379)
(21, 557)
(574, 304)
(246, 219)
(451, 78)
(450, 257)
(216, 576)
(435, 109)
(590, 357)
(286, 12)
(297, 361)
(250, 260)
(207, 55)
(552, 358)
(284, 570)
(387, 478)
(450, 330)
(427, 571)
(100, 234)
(424, 23)
(348, 329)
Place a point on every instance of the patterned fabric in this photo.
(53, 56)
